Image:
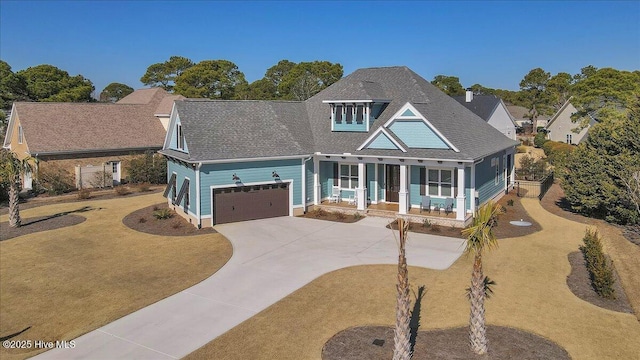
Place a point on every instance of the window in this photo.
(20, 135)
(569, 140)
(349, 114)
(440, 182)
(180, 137)
(348, 176)
(497, 179)
(338, 114)
(114, 167)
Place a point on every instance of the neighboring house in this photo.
(378, 136)
(520, 113)
(60, 136)
(561, 127)
(492, 110)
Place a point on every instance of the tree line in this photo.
(544, 94)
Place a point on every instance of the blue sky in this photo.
(488, 42)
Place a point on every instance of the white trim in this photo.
(198, 195)
(350, 176)
(172, 121)
(356, 101)
(375, 134)
(206, 216)
(454, 186)
(225, 161)
(375, 184)
(397, 116)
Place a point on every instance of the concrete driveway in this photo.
(271, 259)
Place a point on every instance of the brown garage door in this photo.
(250, 202)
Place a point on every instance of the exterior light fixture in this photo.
(235, 178)
(275, 175)
(439, 162)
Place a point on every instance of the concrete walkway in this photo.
(271, 259)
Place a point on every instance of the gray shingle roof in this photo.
(248, 129)
(227, 129)
(481, 105)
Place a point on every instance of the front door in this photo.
(115, 168)
(392, 182)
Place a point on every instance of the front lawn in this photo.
(62, 283)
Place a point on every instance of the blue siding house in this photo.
(380, 137)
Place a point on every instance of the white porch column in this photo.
(361, 190)
(317, 195)
(403, 195)
(460, 199)
(512, 181)
(375, 184)
(473, 189)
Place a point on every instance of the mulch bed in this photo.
(580, 285)
(332, 216)
(143, 220)
(503, 230)
(38, 224)
(515, 212)
(432, 229)
(504, 343)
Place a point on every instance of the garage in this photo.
(241, 203)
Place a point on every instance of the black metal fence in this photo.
(534, 189)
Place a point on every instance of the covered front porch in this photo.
(424, 189)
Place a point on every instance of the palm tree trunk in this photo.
(14, 211)
(477, 327)
(402, 333)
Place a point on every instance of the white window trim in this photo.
(452, 183)
(350, 176)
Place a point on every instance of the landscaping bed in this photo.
(322, 214)
(514, 211)
(505, 343)
(580, 285)
(38, 224)
(429, 228)
(143, 220)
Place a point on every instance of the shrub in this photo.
(142, 220)
(531, 169)
(521, 149)
(510, 202)
(148, 168)
(144, 187)
(163, 214)
(122, 190)
(54, 180)
(84, 194)
(540, 139)
(426, 223)
(600, 271)
(357, 216)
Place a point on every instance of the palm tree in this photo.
(402, 332)
(11, 168)
(480, 237)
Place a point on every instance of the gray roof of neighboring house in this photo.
(228, 129)
(481, 105)
(275, 128)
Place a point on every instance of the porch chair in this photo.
(353, 199)
(335, 195)
(448, 206)
(426, 203)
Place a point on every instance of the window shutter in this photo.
(423, 181)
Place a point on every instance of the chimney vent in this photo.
(469, 96)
